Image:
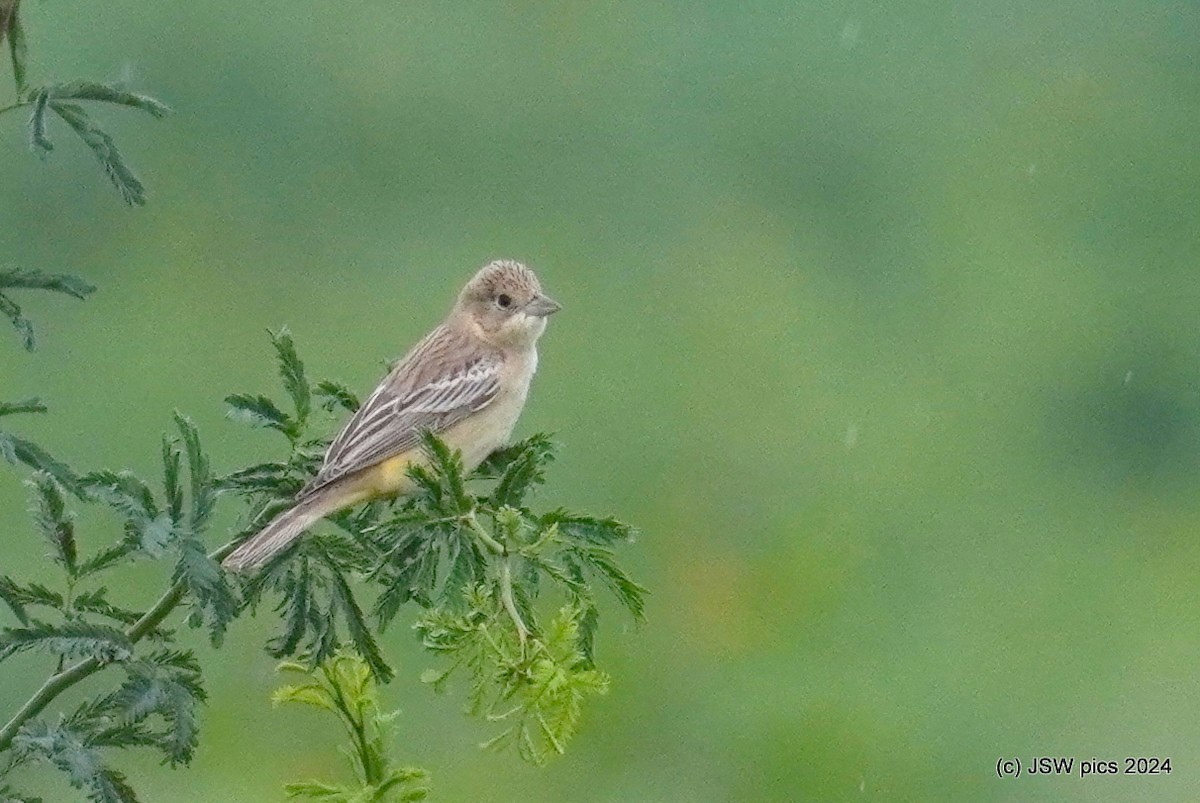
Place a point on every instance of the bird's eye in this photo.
(504, 300)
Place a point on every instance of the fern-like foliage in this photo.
(156, 705)
(505, 595)
(65, 100)
(20, 279)
(344, 685)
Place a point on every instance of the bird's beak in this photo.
(542, 306)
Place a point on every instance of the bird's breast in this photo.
(480, 434)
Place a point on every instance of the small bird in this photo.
(466, 382)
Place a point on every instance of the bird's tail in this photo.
(279, 533)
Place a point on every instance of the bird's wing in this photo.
(424, 392)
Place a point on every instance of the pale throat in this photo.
(519, 333)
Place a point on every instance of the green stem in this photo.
(12, 106)
(59, 682)
(358, 733)
(483, 535)
(506, 584)
(510, 604)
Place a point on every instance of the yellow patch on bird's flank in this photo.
(391, 475)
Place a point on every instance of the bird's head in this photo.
(505, 304)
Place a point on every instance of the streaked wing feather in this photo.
(393, 418)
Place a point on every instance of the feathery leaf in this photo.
(291, 370)
(172, 489)
(10, 594)
(107, 93)
(204, 497)
(70, 639)
(10, 310)
(18, 450)
(602, 562)
(167, 684)
(591, 529)
(54, 521)
(105, 559)
(25, 279)
(39, 143)
(102, 145)
(211, 594)
(21, 279)
(26, 406)
(17, 48)
(336, 395)
(356, 627)
(523, 470)
(260, 411)
(69, 750)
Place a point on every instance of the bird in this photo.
(466, 382)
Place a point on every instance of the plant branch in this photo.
(483, 535)
(357, 729)
(510, 604)
(506, 582)
(59, 682)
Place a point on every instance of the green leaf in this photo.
(20, 279)
(273, 477)
(589, 621)
(291, 370)
(495, 463)
(447, 467)
(102, 145)
(17, 49)
(18, 450)
(10, 310)
(54, 521)
(296, 605)
(465, 567)
(260, 411)
(310, 694)
(162, 685)
(24, 327)
(68, 750)
(70, 639)
(357, 629)
(25, 279)
(39, 143)
(602, 562)
(320, 791)
(35, 594)
(603, 531)
(107, 93)
(204, 497)
(10, 594)
(337, 395)
(389, 602)
(105, 559)
(123, 491)
(172, 489)
(26, 406)
(345, 686)
(206, 583)
(150, 530)
(523, 469)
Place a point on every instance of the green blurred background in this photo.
(880, 323)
